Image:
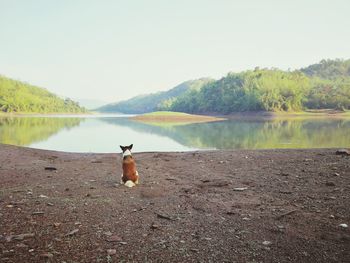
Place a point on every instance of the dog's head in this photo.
(126, 150)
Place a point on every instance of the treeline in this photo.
(150, 102)
(319, 86)
(17, 96)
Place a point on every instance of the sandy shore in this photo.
(215, 206)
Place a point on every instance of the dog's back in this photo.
(129, 170)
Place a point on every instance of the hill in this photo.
(151, 102)
(325, 85)
(20, 97)
(328, 69)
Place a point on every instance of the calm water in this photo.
(105, 133)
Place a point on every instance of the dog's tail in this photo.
(129, 183)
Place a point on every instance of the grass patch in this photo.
(163, 117)
(166, 113)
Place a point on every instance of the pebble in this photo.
(240, 188)
(155, 226)
(266, 243)
(73, 232)
(108, 233)
(343, 225)
(111, 252)
(330, 184)
(114, 238)
(43, 196)
(47, 255)
(38, 213)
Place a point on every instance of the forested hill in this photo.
(151, 102)
(325, 85)
(20, 97)
(329, 69)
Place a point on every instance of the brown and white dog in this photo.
(130, 176)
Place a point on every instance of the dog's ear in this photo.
(122, 147)
(130, 146)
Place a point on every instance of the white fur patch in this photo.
(129, 183)
(126, 153)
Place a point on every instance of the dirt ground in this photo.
(210, 206)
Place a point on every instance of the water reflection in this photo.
(24, 131)
(104, 134)
(240, 134)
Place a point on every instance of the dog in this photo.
(130, 176)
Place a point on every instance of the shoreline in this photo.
(201, 206)
(324, 113)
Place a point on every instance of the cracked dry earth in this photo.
(211, 206)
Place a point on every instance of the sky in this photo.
(112, 50)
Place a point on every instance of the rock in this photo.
(336, 174)
(22, 236)
(50, 168)
(266, 243)
(108, 233)
(73, 232)
(170, 179)
(155, 226)
(46, 255)
(114, 238)
(56, 224)
(49, 204)
(230, 213)
(240, 188)
(123, 243)
(343, 152)
(111, 252)
(194, 250)
(21, 245)
(37, 213)
(343, 225)
(43, 196)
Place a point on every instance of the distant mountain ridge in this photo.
(20, 97)
(151, 102)
(324, 85)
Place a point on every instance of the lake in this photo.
(104, 133)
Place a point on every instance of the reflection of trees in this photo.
(26, 130)
(238, 134)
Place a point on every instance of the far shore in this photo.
(200, 117)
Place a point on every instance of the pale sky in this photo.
(113, 50)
